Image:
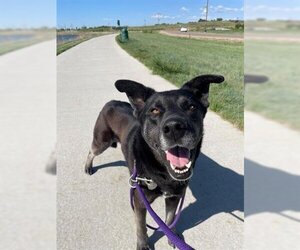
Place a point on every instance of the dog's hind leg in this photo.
(97, 149)
(88, 168)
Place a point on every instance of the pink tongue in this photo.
(178, 156)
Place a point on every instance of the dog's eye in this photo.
(155, 111)
(192, 107)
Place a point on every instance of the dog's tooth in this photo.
(189, 165)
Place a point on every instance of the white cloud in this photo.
(221, 8)
(192, 18)
(203, 10)
(272, 12)
(185, 9)
(272, 8)
(160, 16)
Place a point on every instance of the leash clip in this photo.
(132, 182)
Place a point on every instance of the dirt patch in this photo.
(205, 36)
(272, 37)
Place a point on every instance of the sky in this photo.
(27, 13)
(272, 9)
(78, 13)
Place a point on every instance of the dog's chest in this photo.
(172, 190)
(169, 194)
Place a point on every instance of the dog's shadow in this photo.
(110, 164)
(270, 190)
(216, 189)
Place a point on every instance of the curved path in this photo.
(94, 211)
(272, 168)
(28, 136)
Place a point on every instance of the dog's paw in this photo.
(88, 170)
(172, 244)
(143, 248)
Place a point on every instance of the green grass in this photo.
(68, 45)
(180, 59)
(277, 99)
(82, 37)
(237, 32)
(193, 26)
(37, 36)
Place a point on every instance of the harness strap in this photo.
(174, 238)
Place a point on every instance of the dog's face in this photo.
(172, 121)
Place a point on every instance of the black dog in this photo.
(162, 133)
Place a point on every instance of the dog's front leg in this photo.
(171, 206)
(141, 229)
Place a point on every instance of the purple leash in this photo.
(174, 238)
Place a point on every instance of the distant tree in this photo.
(201, 20)
(239, 26)
(118, 22)
(219, 19)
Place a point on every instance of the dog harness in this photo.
(134, 182)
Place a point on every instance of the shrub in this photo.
(147, 31)
(239, 26)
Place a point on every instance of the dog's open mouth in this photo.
(179, 158)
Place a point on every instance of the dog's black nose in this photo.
(174, 129)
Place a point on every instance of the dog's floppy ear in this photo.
(137, 93)
(199, 86)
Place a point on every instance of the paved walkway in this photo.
(27, 122)
(94, 211)
(272, 184)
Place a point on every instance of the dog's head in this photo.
(172, 121)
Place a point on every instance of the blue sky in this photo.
(27, 13)
(272, 9)
(37, 13)
(77, 13)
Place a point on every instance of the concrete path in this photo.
(27, 122)
(94, 211)
(272, 184)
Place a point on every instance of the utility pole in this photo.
(206, 13)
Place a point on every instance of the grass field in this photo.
(279, 97)
(81, 36)
(192, 26)
(180, 59)
(11, 40)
